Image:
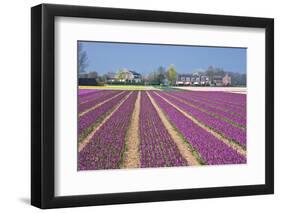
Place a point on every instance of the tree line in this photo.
(160, 76)
(237, 79)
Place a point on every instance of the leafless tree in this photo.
(82, 58)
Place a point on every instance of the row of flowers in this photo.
(157, 148)
(212, 150)
(235, 99)
(220, 103)
(84, 96)
(104, 151)
(91, 117)
(84, 92)
(222, 127)
(95, 99)
(241, 121)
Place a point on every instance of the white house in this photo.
(129, 75)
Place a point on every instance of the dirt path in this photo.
(185, 151)
(228, 142)
(132, 153)
(101, 103)
(208, 112)
(84, 142)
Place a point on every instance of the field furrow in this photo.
(144, 129)
(88, 120)
(85, 92)
(238, 100)
(96, 126)
(88, 96)
(223, 128)
(236, 110)
(93, 99)
(132, 143)
(157, 146)
(231, 118)
(91, 105)
(105, 149)
(212, 150)
(186, 150)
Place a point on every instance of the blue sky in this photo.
(104, 57)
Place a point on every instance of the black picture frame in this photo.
(43, 110)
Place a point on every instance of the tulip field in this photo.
(119, 129)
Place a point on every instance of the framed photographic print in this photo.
(139, 106)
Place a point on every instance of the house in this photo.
(195, 79)
(219, 80)
(87, 79)
(87, 82)
(204, 80)
(128, 75)
(88, 75)
(226, 81)
(136, 76)
(183, 79)
(111, 77)
(83, 75)
(92, 75)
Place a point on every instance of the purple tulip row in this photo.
(86, 97)
(104, 151)
(203, 105)
(212, 150)
(86, 91)
(157, 147)
(86, 120)
(238, 100)
(89, 96)
(222, 127)
(98, 98)
(241, 111)
(234, 98)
